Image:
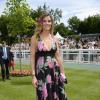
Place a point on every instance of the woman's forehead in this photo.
(47, 17)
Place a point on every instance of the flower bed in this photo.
(20, 73)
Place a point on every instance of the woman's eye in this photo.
(49, 20)
(46, 20)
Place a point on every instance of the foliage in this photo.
(17, 12)
(3, 26)
(63, 30)
(57, 13)
(90, 25)
(19, 19)
(74, 23)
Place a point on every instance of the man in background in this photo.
(4, 56)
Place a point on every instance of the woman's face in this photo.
(47, 23)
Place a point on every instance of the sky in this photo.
(80, 8)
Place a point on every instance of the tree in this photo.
(3, 27)
(18, 14)
(63, 30)
(90, 25)
(57, 13)
(73, 24)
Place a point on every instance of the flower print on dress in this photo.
(44, 91)
(56, 76)
(55, 96)
(49, 79)
(48, 74)
(40, 45)
(50, 63)
(40, 63)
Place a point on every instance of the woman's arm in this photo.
(32, 54)
(32, 59)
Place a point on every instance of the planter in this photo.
(20, 73)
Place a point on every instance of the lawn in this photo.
(82, 85)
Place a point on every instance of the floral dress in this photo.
(50, 86)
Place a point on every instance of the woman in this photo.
(47, 70)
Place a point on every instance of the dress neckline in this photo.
(46, 49)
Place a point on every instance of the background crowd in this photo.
(66, 43)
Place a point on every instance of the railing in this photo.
(81, 55)
(23, 54)
(68, 55)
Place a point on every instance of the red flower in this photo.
(22, 72)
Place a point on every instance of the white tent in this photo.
(58, 36)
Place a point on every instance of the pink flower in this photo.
(55, 96)
(51, 64)
(40, 45)
(40, 61)
(40, 20)
(49, 79)
(44, 92)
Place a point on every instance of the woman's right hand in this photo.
(34, 81)
(63, 78)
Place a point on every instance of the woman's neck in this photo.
(45, 34)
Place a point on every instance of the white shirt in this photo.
(4, 53)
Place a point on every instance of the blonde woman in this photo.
(48, 75)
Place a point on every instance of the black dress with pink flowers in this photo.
(50, 84)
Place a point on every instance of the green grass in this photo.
(18, 88)
(82, 85)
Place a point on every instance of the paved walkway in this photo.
(82, 66)
(70, 65)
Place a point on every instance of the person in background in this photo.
(5, 55)
(48, 74)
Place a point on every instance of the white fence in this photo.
(81, 55)
(68, 55)
(22, 56)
